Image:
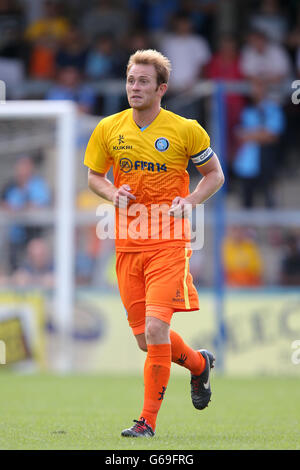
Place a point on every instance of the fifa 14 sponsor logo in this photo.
(126, 165)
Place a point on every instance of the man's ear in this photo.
(162, 89)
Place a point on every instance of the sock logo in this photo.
(182, 359)
(162, 393)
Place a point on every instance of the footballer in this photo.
(149, 148)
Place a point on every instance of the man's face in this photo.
(23, 170)
(258, 90)
(141, 87)
(258, 42)
(69, 77)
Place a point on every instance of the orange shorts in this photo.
(158, 277)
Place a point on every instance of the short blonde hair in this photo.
(161, 63)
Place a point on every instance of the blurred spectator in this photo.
(293, 37)
(106, 17)
(271, 20)
(263, 59)
(52, 25)
(95, 257)
(88, 245)
(291, 136)
(13, 51)
(152, 15)
(44, 36)
(37, 268)
(86, 253)
(290, 267)
(292, 111)
(262, 122)
(137, 40)
(203, 16)
(225, 63)
(242, 260)
(298, 62)
(188, 53)
(225, 66)
(73, 50)
(104, 61)
(11, 29)
(69, 85)
(27, 190)
(101, 59)
(42, 58)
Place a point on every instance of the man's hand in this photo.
(180, 208)
(122, 195)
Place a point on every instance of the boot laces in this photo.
(140, 425)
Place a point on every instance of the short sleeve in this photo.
(274, 119)
(198, 146)
(39, 192)
(96, 156)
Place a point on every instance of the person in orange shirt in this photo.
(52, 24)
(149, 149)
(242, 260)
(44, 36)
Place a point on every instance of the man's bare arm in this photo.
(260, 136)
(213, 179)
(100, 185)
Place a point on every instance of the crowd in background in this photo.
(75, 48)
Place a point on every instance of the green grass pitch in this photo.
(90, 411)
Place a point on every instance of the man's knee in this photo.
(157, 331)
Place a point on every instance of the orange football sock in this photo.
(156, 377)
(185, 356)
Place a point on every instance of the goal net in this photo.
(45, 135)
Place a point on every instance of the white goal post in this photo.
(64, 112)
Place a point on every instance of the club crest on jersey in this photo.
(161, 144)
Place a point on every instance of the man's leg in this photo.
(181, 353)
(185, 356)
(156, 342)
(199, 363)
(157, 367)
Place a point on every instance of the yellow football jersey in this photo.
(152, 161)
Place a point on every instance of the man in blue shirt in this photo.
(27, 190)
(262, 123)
(69, 86)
